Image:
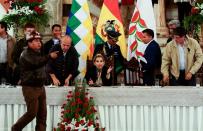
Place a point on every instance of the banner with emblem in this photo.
(79, 27)
(110, 19)
(143, 17)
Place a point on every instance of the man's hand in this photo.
(165, 79)
(54, 54)
(188, 76)
(66, 82)
(56, 82)
(90, 82)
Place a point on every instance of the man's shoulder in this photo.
(171, 44)
(55, 47)
(116, 45)
(155, 44)
(100, 45)
(24, 53)
(50, 41)
(192, 41)
(11, 37)
(22, 42)
(73, 49)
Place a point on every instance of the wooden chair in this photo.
(89, 64)
(132, 73)
(200, 75)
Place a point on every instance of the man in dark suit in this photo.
(111, 49)
(64, 68)
(56, 32)
(152, 55)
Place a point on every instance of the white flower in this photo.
(200, 6)
(91, 128)
(80, 127)
(201, 12)
(25, 10)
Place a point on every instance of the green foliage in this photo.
(29, 11)
(192, 23)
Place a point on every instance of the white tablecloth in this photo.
(120, 109)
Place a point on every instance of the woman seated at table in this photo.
(99, 74)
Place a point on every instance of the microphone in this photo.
(188, 49)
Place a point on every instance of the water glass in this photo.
(3, 81)
(156, 82)
(197, 82)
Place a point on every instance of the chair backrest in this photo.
(200, 75)
(110, 62)
(132, 73)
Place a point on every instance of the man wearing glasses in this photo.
(111, 49)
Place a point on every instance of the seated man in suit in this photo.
(111, 49)
(152, 55)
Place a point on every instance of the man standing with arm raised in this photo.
(32, 75)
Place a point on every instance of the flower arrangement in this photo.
(192, 23)
(26, 11)
(78, 113)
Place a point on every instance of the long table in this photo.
(121, 108)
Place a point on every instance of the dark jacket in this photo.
(32, 66)
(152, 55)
(47, 46)
(18, 49)
(151, 69)
(92, 74)
(62, 66)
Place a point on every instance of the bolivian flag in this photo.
(79, 27)
(110, 13)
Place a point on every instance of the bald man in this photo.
(64, 69)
